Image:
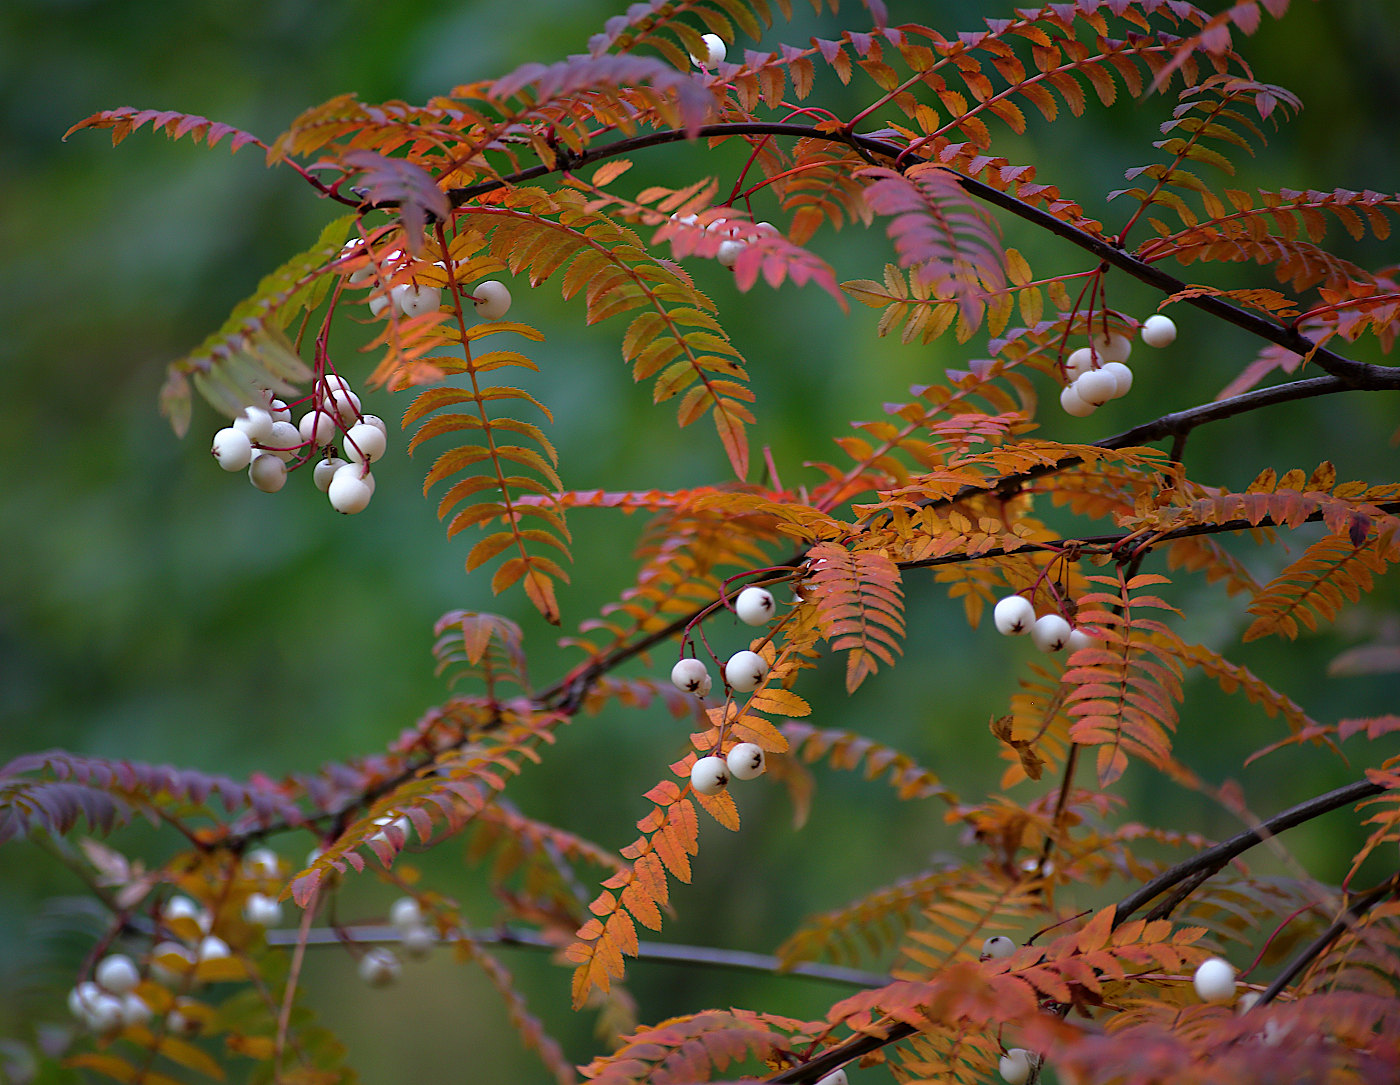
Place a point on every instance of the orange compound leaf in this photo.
(670, 835)
(860, 606)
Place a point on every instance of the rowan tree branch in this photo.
(524, 938)
(1353, 373)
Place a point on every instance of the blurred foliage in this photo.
(153, 608)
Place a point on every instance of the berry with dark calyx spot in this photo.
(709, 775)
(1050, 633)
(380, 967)
(689, 675)
(1073, 405)
(745, 670)
(746, 761)
(349, 490)
(998, 946)
(1158, 330)
(836, 1077)
(377, 422)
(492, 299)
(232, 449)
(1095, 387)
(754, 605)
(1013, 615)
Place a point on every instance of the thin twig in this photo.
(524, 938)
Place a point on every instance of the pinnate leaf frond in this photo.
(860, 606)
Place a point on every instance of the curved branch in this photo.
(1355, 374)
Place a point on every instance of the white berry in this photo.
(705, 686)
(279, 410)
(405, 913)
(1215, 980)
(261, 910)
(1015, 1066)
(417, 942)
(714, 51)
(1095, 387)
(745, 670)
(492, 300)
(1073, 404)
(262, 863)
(1079, 361)
(329, 385)
(117, 973)
(1158, 330)
(135, 1011)
(284, 441)
(728, 253)
(344, 404)
(232, 449)
(997, 946)
(364, 443)
(709, 775)
(754, 606)
(163, 956)
(1078, 639)
(378, 304)
(212, 948)
(836, 1077)
(324, 471)
(98, 1010)
(1013, 615)
(689, 675)
(379, 967)
(256, 423)
(1111, 348)
(348, 491)
(268, 473)
(377, 422)
(317, 427)
(416, 300)
(1122, 377)
(1050, 633)
(745, 761)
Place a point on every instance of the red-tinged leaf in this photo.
(540, 590)
(777, 259)
(399, 183)
(1096, 933)
(126, 120)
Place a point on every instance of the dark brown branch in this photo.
(1341, 925)
(523, 938)
(1355, 374)
(1207, 862)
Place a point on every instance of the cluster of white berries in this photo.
(711, 775)
(733, 231)
(1015, 615)
(109, 1001)
(714, 51)
(1099, 372)
(490, 298)
(380, 966)
(265, 441)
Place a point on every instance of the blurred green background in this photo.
(156, 609)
